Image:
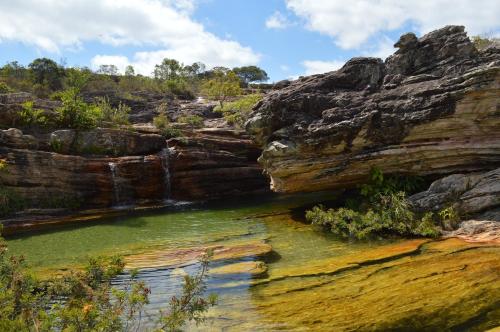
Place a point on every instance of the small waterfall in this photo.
(164, 154)
(116, 185)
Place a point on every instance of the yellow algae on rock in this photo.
(252, 268)
(442, 285)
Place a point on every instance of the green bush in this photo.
(236, 112)
(115, 116)
(390, 215)
(30, 116)
(75, 113)
(4, 88)
(379, 184)
(162, 123)
(193, 121)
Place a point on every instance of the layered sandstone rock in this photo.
(48, 179)
(432, 108)
(105, 141)
(214, 163)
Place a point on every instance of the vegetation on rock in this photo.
(380, 208)
(237, 112)
(223, 85)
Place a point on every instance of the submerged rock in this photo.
(170, 258)
(253, 268)
(430, 109)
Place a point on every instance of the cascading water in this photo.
(166, 172)
(116, 186)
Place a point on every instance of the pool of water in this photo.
(314, 282)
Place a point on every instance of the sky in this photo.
(287, 38)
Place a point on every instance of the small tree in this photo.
(249, 74)
(169, 69)
(221, 86)
(108, 70)
(129, 71)
(46, 72)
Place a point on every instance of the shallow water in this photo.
(314, 282)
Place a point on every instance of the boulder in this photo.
(14, 138)
(430, 109)
(469, 193)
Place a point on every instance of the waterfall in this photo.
(166, 172)
(116, 186)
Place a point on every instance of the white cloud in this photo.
(284, 68)
(382, 48)
(352, 22)
(52, 25)
(318, 67)
(277, 21)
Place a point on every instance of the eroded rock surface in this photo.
(432, 108)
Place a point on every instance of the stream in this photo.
(272, 271)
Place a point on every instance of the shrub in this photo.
(116, 116)
(162, 123)
(391, 215)
(222, 85)
(384, 185)
(236, 113)
(30, 116)
(4, 88)
(75, 113)
(449, 217)
(194, 121)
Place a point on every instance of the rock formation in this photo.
(214, 163)
(430, 109)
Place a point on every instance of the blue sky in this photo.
(287, 38)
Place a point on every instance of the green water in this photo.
(302, 289)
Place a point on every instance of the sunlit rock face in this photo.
(432, 108)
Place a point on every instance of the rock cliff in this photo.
(432, 108)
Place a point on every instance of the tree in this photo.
(195, 69)
(222, 85)
(108, 70)
(47, 72)
(249, 74)
(169, 69)
(129, 71)
(77, 77)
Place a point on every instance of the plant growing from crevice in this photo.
(30, 116)
(193, 121)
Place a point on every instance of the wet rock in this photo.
(430, 109)
(253, 268)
